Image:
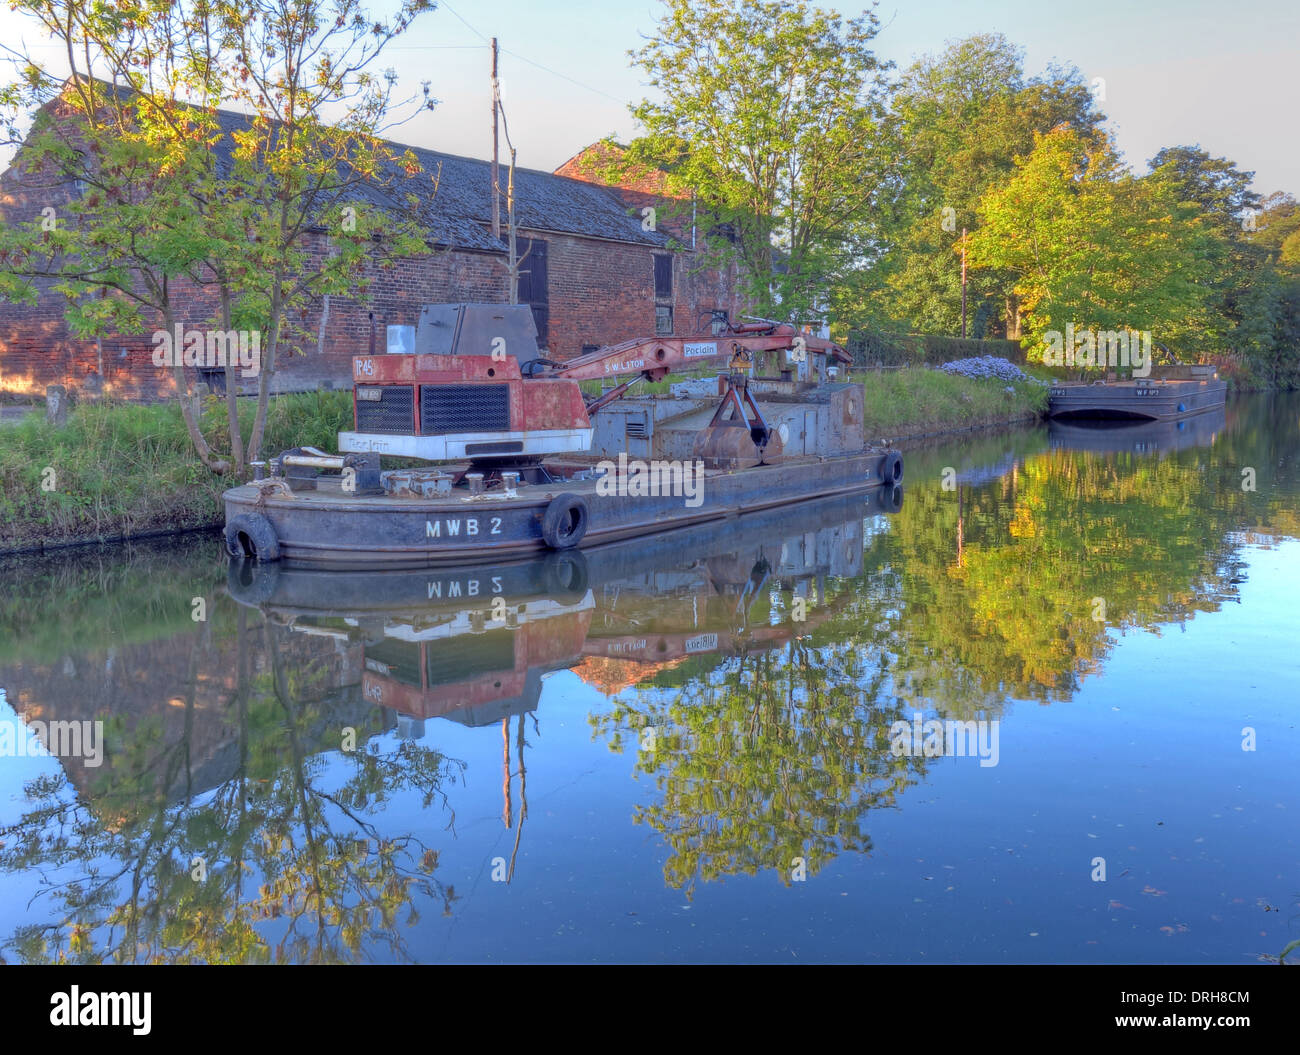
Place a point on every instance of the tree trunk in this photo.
(218, 465)
(232, 395)
(268, 370)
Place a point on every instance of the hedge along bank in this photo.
(124, 470)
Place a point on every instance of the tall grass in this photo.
(919, 401)
(122, 469)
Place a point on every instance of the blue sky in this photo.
(1175, 71)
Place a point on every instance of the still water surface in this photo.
(681, 750)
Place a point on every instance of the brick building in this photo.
(594, 275)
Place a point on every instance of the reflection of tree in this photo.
(285, 849)
(1000, 580)
(971, 598)
(779, 755)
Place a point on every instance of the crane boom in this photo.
(655, 357)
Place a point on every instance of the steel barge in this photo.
(519, 462)
(1174, 392)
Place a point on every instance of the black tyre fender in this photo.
(251, 582)
(890, 498)
(891, 468)
(565, 521)
(564, 576)
(250, 535)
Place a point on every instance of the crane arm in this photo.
(654, 357)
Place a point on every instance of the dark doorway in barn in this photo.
(533, 285)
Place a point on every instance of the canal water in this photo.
(1042, 708)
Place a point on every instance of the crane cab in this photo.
(462, 395)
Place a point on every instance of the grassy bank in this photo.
(124, 470)
(915, 402)
(121, 469)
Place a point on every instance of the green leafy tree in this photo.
(957, 122)
(1092, 245)
(1266, 338)
(768, 122)
(175, 199)
(1240, 288)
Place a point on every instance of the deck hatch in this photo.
(464, 408)
(393, 411)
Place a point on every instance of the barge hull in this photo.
(1165, 401)
(329, 530)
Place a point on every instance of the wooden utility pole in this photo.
(513, 266)
(963, 283)
(496, 197)
(512, 259)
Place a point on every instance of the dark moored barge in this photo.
(519, 462)
(1174, 392)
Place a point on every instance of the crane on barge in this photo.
(478, 389)
(477, 395)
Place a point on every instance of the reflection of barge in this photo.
(1138, 437)
(472, 644)
(508, 430)
(1171, 393)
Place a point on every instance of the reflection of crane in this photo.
(627, 639)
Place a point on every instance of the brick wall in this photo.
(604, 292)
(600, 292)
(395, 296)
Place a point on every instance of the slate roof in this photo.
(460, 213)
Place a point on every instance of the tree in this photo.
(1091, 245)
(768, 123)
(226, 206)
(957, 122)
(1240, 294)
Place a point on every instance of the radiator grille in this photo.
(464, 408)
(394, 411)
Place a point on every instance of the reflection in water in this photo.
(272, 788)
(1147, 437)
(220, 807)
